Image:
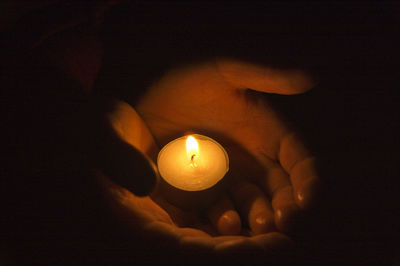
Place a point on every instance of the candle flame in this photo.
(192, 147)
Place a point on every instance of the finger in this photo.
(254, 206)
(239, 251)
(132, 210)
(122, 146)
(297, 160)
(192, 232)
(186, 241)
(180, 217)
(238, 246)
(197, 244)
(172, 235)
(130, 127)
(196, 240)
(277, 184)
(287, 212)
(261, 78)
(307, 183)
(161, 232)
(274, 244)
(224, 217)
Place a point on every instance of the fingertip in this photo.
(242, 74)
(262, 223)
(224, 217)
(299, 81)
(307, 185)
(253, 205)
(287, 217)
(307, 196)
(229, 223)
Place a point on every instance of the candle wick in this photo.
(192, 157)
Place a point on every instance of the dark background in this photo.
(350, 119)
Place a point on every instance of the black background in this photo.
(350, 120)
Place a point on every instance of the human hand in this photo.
(268, 161)
(153, 218)
(266, 156)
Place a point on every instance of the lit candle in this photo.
(193, 163)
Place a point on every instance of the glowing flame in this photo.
(192, 147)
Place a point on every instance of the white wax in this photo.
(191, 170)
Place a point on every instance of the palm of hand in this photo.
(274, 173)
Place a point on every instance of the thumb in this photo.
(246, 75)
(123, 147)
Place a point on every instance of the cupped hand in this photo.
(273, 174)
(152, 217)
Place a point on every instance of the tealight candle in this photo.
(193, 163)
